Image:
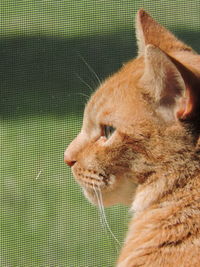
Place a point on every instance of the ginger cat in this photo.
(139, 146)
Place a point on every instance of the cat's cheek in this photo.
(121, 192)
(101, 141)
(107, 199)
(90, 196)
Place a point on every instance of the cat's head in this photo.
(138, 117)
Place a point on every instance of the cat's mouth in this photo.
(90, 179)
(112, 188)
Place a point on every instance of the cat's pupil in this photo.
(108, 131)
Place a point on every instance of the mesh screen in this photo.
(53, 54)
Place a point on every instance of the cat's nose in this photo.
(72, 151)
(69, 157)
(69, 160)
(70, 163)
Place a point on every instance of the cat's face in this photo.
(110, 153)
(131, 124)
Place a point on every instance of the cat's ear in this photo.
(174, 88)
(148, 31)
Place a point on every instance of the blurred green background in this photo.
(45, 50)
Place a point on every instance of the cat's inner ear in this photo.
(173, 87)
(148, 31)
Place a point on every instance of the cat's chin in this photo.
(123, 193)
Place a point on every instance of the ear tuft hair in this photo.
(148, 31)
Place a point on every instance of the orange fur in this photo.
(151, 161)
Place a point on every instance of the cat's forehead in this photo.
(119, 87)
(119, 97)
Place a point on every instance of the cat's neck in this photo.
(166, 183)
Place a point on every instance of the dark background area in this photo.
(41, 75)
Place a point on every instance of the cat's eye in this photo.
(107, 131)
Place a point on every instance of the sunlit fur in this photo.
(151, 161)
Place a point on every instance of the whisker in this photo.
(79, 94)
(102, 215)
(99, 205)
(105, 219)
(90, 69)
(84, 82)
(82, 94)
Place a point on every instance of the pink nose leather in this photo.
(68, 159)
(70, 163)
